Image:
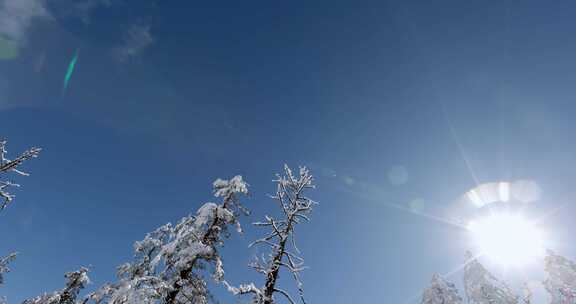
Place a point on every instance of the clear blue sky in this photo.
(169, 95)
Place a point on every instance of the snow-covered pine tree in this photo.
(441, 291)
(138, 282)
(170, 262)
(561, 281)
(295, 207)
(197, 241)
(75, 281)
(482, 287)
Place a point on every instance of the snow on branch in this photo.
(11, 165)
(8, 166)
(170, 263)
(197, 243)
(295, 208)
(4, 265)
(75, 281)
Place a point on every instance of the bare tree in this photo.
(284, 253)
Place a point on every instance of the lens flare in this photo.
(508, 239)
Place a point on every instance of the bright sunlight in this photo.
(508, 239)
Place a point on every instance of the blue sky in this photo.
(388, 102)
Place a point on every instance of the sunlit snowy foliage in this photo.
(481, 287)
(75, 281)
(171, 263)
(484, 288)
(283, 253)
(526, 294)
(561, 281)
(441, 291)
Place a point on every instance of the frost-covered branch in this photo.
(8, 166)
(12, 165)
(295, 207)
(75, 281)
(4, 265)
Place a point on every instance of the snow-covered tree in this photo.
(295, 207)
(138, 282)
(561, 281)
(483, 288)
(197, 240)
(441, 291)
(171, 262)
(75, 281)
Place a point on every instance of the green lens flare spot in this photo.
(70, 70)
(8, 49)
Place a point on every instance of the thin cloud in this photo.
(17, 17)
(85, 8)
(81, 9)
(136, 39)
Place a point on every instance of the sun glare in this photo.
(508, 239)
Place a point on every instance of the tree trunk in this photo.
(207, 239)
(272, 276)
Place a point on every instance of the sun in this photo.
(508, 239)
